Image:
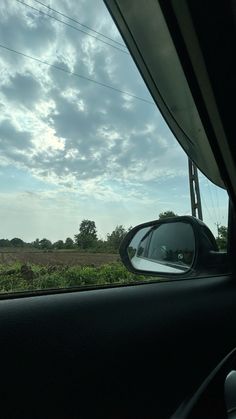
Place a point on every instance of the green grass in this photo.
(17, 277)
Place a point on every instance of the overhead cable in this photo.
(79, 23)
(76, 74)
(72, 26)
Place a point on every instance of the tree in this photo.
(5, 243)
(59, 244)
(16, 242)
(36, 244)
(221, 239)
(87, 236)
(45, 244)
(115, 238)
(167, 214)
(69, 244)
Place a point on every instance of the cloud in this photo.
(21, 27)
(18, 89)
(12, 138)
(77, 138)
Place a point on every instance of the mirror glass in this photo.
(164, 248)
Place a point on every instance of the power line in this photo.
(79, 23)
(204, 202)
(212, 201)
(205, 205)
(71, 26)
(76, 74)
(217, 204)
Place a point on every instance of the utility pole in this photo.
(194, 190)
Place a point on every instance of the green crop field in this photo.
(27, 271)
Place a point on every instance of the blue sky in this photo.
(71, 149)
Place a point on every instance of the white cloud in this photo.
(46, 141)
(105, 148)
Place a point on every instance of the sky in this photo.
(72, 149)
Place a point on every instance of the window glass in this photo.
(84, 152)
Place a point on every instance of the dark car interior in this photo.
(143, 350)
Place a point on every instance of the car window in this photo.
(84, 152)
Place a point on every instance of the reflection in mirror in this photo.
(164, 248)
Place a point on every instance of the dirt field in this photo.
(66, 258)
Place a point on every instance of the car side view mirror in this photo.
(176, 246)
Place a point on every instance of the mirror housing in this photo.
(172, 247)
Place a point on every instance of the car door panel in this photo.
(133, 352)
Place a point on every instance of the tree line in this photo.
(87, 238)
